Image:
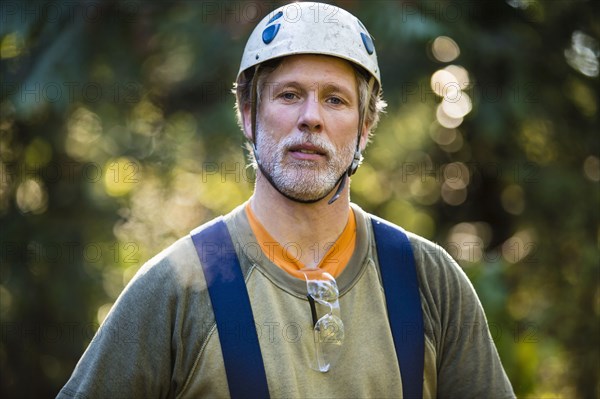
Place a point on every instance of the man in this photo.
(313, 279)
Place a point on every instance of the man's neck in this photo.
(311, 227)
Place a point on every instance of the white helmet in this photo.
(311, 28)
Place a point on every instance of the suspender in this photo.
(401, 287)
(235, 323)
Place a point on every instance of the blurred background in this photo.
(118, 136)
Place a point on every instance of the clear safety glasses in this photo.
(328, 329)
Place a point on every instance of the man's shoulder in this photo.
(419, 244)
(429, 256)
(440, 276)
(178, 264)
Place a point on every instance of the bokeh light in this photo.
(84, 131)
(519, 246)
(513, 199)
(12, 45)
(458, 105)
(448, 139)
(591, 168)
(121, 175)
(468, 241)
(536, 140)
(453, 196)
(583, 54)
(31, 197)
(450, 84)
(461, 75)
(446, 120)
(444, 49)
(444, 83)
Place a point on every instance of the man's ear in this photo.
(364, 137)
(247, 121)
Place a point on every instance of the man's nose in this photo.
(310, 118)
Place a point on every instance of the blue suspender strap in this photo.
(401, 286)
(233, 314)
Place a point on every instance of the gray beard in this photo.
(302, 180)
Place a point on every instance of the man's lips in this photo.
(307, 151)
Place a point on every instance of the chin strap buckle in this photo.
(356, 161)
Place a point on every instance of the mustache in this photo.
(321, 143)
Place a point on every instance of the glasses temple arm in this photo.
(313, 309)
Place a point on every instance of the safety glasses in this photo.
(328, 328)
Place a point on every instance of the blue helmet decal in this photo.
(366, 38)
(271, 31)
(368, 42)
(276, 16)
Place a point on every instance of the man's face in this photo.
(307, 124)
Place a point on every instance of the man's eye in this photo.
(288, 95)
(335, 100)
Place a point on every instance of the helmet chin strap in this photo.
(341, 182)
(347, 173)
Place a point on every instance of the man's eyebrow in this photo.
(334, 87)
(274, 86)
(284, 83)
(327, 87)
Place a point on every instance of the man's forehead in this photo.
(325, 71)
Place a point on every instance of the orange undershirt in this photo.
(287, 257)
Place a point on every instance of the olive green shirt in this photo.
(160, 338)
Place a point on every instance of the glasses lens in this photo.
(328, 330)
(329, 336)
(323, 290)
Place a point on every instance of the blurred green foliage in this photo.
(118, 136)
